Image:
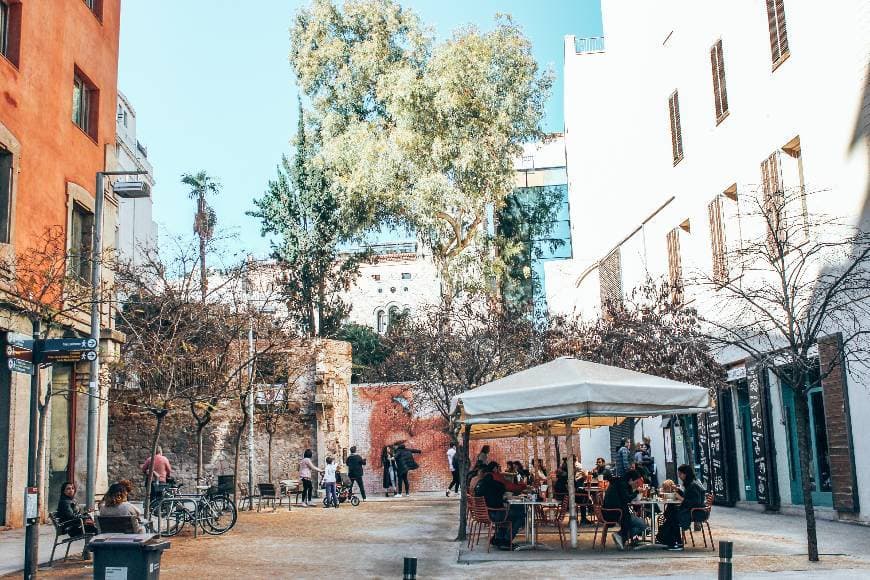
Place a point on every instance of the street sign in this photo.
(62, 344)
(13, 351)
(19, 340)
(17, 365)
(70, 356)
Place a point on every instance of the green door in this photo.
(745, 420)
(820, 468)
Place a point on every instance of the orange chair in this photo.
(606, 518)
(706, 510)
(556, 519)
(481, 514)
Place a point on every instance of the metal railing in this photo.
(587, 45)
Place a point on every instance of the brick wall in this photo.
(385, 414)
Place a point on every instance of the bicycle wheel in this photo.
(173, 516)
(354, 500)
(218, 515)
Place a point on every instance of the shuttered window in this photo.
(717, 241)
(610, 278)
(720, 95)
(776, 27)
(675, 265)
(774, 202)
(676, 131)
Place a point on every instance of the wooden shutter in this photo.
(675, 266)
(774, 201)
(844, 482)
(776, 28)
(720, 95)
(717, 241)
(610, 278)
(676, 130)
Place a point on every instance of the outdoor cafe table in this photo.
(531, 531)
(654, 504)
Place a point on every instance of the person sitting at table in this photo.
(522, 471)
(601, 470)
(619, 495)
(539, 472)
(508, 482)
(669, 532)
(74, 521)
(693, 496)
(492, 490)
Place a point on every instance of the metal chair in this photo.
(118, 524)
(482, 516)
(556, 520)
(59, 531)
(245, 496)
(268, 492)
(606, 518)
(703, 517)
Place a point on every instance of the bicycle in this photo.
(212, 511)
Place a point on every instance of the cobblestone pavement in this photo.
(371, 540)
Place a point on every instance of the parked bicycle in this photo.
(210, 509)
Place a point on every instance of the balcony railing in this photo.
(588, 45)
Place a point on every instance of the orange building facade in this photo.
(58, 94)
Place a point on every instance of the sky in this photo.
(213, 89)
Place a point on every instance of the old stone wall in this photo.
(312, 421)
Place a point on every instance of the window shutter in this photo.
(675, 266)
(720, 95)
(774, 201)
(676, 130)
(717, 241)
(776, 28)
(610, 278)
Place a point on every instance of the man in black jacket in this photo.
(355, 471)
(493, 490)
(404, 464)
(619, 494)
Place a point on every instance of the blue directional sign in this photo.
(19, 340)
(19, 353)
(17, 365)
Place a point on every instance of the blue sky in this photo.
(213, 89)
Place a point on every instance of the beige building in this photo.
(672, 118)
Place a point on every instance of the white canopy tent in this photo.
(574, 394)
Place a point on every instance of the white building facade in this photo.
(675, 109)
(136, 227)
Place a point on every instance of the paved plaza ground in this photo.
(371, 540)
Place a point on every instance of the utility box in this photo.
(127, 556)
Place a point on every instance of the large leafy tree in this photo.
(300, 208)
(419, 136)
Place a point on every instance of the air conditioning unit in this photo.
(132, 189)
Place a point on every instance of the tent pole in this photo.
(535, 448)
(547, 456)
(572, 500)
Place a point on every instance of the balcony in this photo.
(589, 45)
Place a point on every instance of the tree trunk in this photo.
(159, 415)
(464, 463)
(237, 444)
(203, 283)
(269, 455)
(804, 445)
(40, 442)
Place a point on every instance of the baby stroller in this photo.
(344, 491)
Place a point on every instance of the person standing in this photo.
(623, 458)
(162, 472)
(405, 464)
(355, 464)
(306, 466)
(329, 483)
(482, 458)
(388, 462)
(454, 473)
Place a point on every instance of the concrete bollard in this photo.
(726, 550)
(410, 572)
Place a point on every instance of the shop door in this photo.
(744, 419)
(820, 465)
(61, 433)
(5, 410)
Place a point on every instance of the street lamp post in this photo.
(128, 192)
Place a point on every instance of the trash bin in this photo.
(127, 556)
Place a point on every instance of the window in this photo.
(720, 95)
(376, 277)
(10, 30)
(81, 238)
(5, 194)
(776, 27)
(406, 275)
(84, 109)
(96, 7)
(793, 177)
(676, 131)
(610, 278)
(774, 203)
(381, 321)
(717, 240)
(675, 264)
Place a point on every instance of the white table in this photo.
(654, 503)
(531, 530)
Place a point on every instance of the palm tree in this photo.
(201, 185)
